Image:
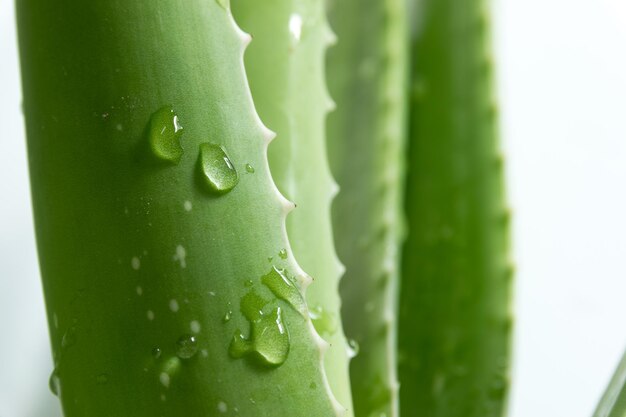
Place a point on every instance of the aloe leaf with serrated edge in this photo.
(153, 236)
(367, 78)
(454, 318)
(285, 65)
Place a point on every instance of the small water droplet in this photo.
(323, 321)
(295, 27)
(282, 287)
(282, 253)
(102, 379)
(249, 169)
(227, 316)
(165, 379)
(181, 256)
(135, 263)
(156, 353)
(188, 206)
(139, 290)
(186, 346)
(353, 348)
(174, 305)
(248, 283)
(69, 338)
(55, 383)
(164, 135)
(217, 172)
(195, 326)
(150, 315)
(222, 407)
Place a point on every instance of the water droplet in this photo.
(164, 135)
(150, 315)
(282, 253)
(69, 338)
(181, 256)
(174, 305)
(248, 283)
(102, 379)
(135, 263)
(224, 4)
(353, 348)
(139, 290)
(323, 321)
(186, 346)
(222, 407)
(164, 377)
(268, 342)
(249, 169)
(156, 353)
(227, 316)
(282, 287)
(188, 206)
(295, 26)
(195, 326)
(217, 172)
(55, 383)
(252, 305)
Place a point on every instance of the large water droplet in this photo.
(252, 305)
(269, 340)
(186, 346)
(353, 348)
(164, 135)
(323, 321)
(282, 287)
(217, 173)
(55, 383)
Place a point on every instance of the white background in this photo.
(562, 88)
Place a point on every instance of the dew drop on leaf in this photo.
(282, 287)
(164, 134)
(186, 346)
(55, 383)
(216, 171)
(249, 169)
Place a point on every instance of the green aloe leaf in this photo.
(367, 77)
(154, 234)
(613, 402)
(285, 65)
(454, 319)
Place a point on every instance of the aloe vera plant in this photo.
(154, 235)
(175, 281)
(454, 319)
(285, 65)
(367, 77)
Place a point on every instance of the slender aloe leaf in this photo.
(613, 402)
(454, 319)
(285, 65)
(153, 236)
(367, 77)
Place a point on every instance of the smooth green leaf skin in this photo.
(613, 401)
(454, 317)
(285, 66)
(144, 268)
(367, 77)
